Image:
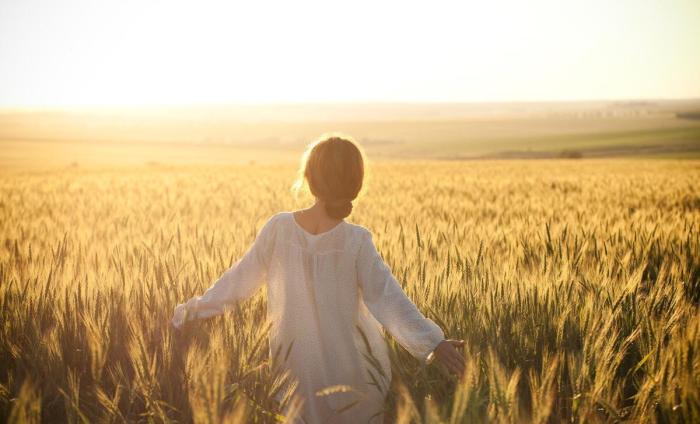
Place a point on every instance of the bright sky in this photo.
(71, 52)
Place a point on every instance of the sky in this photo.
(85, 53)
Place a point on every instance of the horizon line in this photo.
(57, 107)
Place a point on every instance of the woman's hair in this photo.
(333, 167)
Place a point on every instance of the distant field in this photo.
(402, 131)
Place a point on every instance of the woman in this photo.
(329, 295)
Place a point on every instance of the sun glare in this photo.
(134, 52)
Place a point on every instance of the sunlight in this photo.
(129, 52)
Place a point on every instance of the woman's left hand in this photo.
(160, 331)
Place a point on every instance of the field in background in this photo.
(575, 284)
(278, 133)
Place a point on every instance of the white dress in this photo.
(322, 289)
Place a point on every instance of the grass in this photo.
(575, 284)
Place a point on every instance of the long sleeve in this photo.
(239, 282)
(389, 304)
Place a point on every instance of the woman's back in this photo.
(314, 307)
(329, 295)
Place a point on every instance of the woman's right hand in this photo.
(447, 354)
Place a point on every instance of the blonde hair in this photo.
(333, 167)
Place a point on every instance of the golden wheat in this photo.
(575, 284)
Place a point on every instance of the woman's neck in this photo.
(314, 219)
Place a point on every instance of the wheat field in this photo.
(575, 284)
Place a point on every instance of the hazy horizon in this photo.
(221, 134)
(637, 102)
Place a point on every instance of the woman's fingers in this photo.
(455, 353)
(451, 367)
(456, 367)
(452, 362)
(454, 344)
(451, 357)
(457, 364)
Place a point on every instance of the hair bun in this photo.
(334, 168)
(338, 208)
